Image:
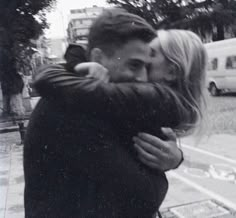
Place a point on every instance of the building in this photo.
(47, 51)
(80, 21)
(40, 52)
(56, 50)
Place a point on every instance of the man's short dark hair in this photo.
(115, 27)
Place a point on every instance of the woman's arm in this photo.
(135, 102)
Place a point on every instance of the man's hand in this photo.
(95, 70)
(156, 153)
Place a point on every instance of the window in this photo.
(230, 62)
(213, 64)
(76, 11)
(78, 22)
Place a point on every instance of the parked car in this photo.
(221, 72)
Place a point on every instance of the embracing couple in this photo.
(95, 146)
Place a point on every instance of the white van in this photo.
(221, 72)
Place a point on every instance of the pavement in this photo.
(11, 176)
(207, 177)
(10, 124)
(203, 186)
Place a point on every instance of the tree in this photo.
(201, 16)
(20, 21)
(155, 12)
(216, 17)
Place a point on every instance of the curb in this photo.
(9, 129)
(12, 126)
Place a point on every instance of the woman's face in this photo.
(160, 66)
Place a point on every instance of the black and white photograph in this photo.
(117, 108)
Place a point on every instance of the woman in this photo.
(169, 99)
(179, 59)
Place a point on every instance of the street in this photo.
(203, 186)
(211, 174)
(133, 67)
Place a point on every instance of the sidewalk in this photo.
(11, 176)
(182, 201)
(10, 124)
(8, 121)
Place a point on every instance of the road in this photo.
(209, 169)
(207, 177)
(206, 173)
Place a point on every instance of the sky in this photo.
(58, 17)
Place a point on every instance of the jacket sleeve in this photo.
(133, 102)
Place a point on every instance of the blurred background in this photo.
(34, 33)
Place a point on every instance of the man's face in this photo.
(128, 63)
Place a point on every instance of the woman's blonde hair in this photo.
(186, 52)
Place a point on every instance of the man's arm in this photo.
(74, 90)
(137, 103)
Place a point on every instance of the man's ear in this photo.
(96, 55)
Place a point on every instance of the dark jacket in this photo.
(78, 156)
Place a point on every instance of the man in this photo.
(60, 140)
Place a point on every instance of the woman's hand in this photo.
(157, 153)
(95, 70)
